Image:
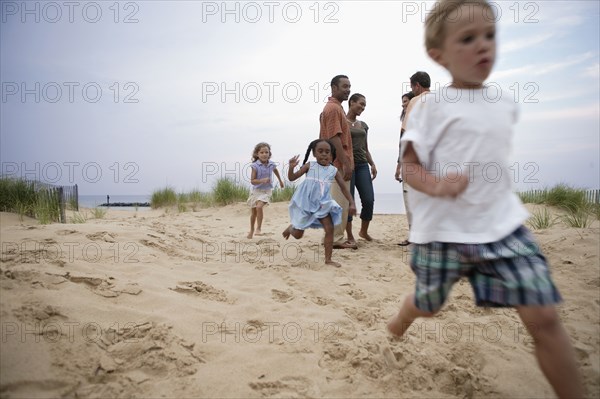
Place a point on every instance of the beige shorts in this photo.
(263, 195)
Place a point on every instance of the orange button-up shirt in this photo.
(333, 122)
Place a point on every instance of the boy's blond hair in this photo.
(435, 24)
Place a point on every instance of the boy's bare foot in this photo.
(286, 233)
(250, 234)
(332, 263)
(394, 326)
(258, 233)
(365, 235)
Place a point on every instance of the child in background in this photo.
(311, 205)
(470, 222)
(262, 188)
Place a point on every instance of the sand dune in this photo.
(167, 304)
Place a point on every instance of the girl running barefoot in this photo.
(311, 205)
(262, 187)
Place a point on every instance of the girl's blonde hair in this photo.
(435, 23)
(257, 149)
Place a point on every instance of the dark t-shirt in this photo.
(359, 142)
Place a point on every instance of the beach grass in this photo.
(224, 192)
(572, 200)
(163, 198)
(79, 218)
(21, 197)
(227, 191)
(98, 213)
(283, 194)
(541, 219)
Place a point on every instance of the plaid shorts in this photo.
(510, 272)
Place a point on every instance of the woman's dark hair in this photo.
(355, 97)
(313, 144)
(410, 96)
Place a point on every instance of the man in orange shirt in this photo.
(334, 128)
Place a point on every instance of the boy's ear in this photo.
(436, 55)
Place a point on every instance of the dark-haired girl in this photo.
(311, 205)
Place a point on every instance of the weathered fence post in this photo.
(61, 203)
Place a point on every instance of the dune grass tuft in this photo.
(541, 219)
(21, 197)
(163, 198)
(283, 194)
(224, 192)
(572, 200)
(227, 191)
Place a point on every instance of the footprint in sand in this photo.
(281, 296)
(104, 287)
(287, 387)
(102, 236)
(203, 290)
(66, 232)
(126, 356)
(368, 316)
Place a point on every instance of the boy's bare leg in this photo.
(407, 314)
(328, 240)
(553, 349)
(259, 217)
(252, 221)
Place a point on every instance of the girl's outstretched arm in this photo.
(340, 181)
(278, 177)
(294, 175)
(413, 173)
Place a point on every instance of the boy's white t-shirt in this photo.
(469, 131)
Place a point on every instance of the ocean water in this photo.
(92, 201)
(385, 203)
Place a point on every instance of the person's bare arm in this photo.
(278, 177)
(254, 181)
(415, 175)
(371, 162)
(344, 160)
(292, 176)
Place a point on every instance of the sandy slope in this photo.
(155, 304)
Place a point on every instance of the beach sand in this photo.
(167, 304)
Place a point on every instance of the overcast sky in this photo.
(131, 97)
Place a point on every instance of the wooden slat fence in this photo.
(52, 198)
(592, 196)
